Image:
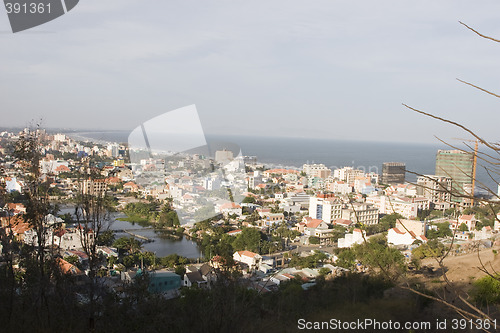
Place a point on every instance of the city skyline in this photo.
(324, 70)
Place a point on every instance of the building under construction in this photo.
(393, 173)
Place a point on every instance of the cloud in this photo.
(281, 67)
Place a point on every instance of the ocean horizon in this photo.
(290, 152)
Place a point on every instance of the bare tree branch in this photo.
(472, 85)
(487, 144)
(478, 33)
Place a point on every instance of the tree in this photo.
(128, 244)
(249, 239)
(443, 230)
(463, 227)
(487, 290)
(168, 218)
(376, 255)
(106, 238)
(28, 156)
(92, 207)
(324, 271)
(389, 220)
(489, 158)
(249, 200)
(313, 240)
(310, 261)
(432, 249)
(346, 258)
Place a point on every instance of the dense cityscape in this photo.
(240, 167)
(261, 230)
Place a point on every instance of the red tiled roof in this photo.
(60, 233)
(62, 168)
(314, 223)
(247, 254)
(281, 171)
(113, 180)
(398, 231)
(343, 222)
(68, 268)
(230, 205)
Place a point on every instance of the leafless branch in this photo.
(482, 89)
(478, 33)
(487, 144)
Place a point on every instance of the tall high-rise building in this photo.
(393, 173)
(459, 166)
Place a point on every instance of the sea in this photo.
(291, 152)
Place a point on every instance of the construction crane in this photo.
(474, 164)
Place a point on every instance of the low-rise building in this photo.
(469, 220)
(396, 236)
(325, 207)
(357, 237)
(252, 259)
(165, 282)
(361, 213)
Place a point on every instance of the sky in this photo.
(316, 69)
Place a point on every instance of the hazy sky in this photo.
(322, 69)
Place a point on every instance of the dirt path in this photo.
(466, 268)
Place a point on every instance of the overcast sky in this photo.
(320, 69)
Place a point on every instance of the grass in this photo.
(134, 219)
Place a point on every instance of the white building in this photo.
(347, 174)
(252, 259)
(417, 227)
(338, 186)
(325, 207)
(396, 236)
(313, 225)
(230, 208)
(300, 198)
(11, 185)
(401, 205)
(357, 237)
(50, 166)
(361, 213)
(211, 183)
(235, 165)
(469, 220)
(484, 233)
(316, 170)
(363, 185)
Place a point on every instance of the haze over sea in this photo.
(294, 152)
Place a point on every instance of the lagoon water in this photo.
(161, 246)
